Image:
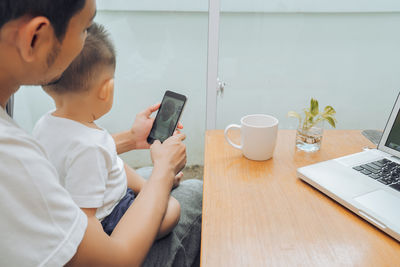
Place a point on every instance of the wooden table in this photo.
(261, 214)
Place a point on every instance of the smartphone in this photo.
(167, 117)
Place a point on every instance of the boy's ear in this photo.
(106, 90)
(32, 35)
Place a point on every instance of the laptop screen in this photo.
(390, 141)
(393, 140)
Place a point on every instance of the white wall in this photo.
(272, 63)
(254, 5)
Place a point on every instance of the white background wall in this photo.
(274, 6)
(272, 62)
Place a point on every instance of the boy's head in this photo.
(91, 74)
(97, 55)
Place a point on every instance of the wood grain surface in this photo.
(261, 214)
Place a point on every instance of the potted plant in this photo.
(309, 131)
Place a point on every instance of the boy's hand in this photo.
(177, 180)
(141, 127)
(169, 156)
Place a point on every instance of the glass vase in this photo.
(309, 140)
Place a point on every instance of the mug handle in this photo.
(231, 126)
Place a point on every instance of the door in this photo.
(273, 56)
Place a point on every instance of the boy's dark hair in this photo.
(97, 52)
(59, 12)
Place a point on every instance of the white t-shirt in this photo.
(40, 223)
(86, 160)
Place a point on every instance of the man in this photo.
(41, 224)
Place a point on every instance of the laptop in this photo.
(367, 183)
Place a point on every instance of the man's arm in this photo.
(134, 235)
(173, 212)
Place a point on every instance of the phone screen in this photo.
(167, 117)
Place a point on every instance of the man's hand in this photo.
(169, 156)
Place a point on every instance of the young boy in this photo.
(85, 154)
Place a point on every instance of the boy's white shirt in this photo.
(86, 160)
(41, 225)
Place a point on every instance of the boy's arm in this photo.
(134, 180)
(134, 235)
(136, 137)
(171, 218)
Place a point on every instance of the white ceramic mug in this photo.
(258, 136)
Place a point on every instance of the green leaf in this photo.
(307, 113)
(314, 107)
(312, 116)
(331, 121)
(329, 110)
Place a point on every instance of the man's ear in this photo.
(106, 90)
(33, 35)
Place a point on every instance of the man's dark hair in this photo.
(59, 12)
(98, 52)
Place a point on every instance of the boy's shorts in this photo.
(112, 220)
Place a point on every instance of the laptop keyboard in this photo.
(385, 171)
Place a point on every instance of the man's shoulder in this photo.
(14, 140)
(36, 202)
(33, 191)
(22, 156)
